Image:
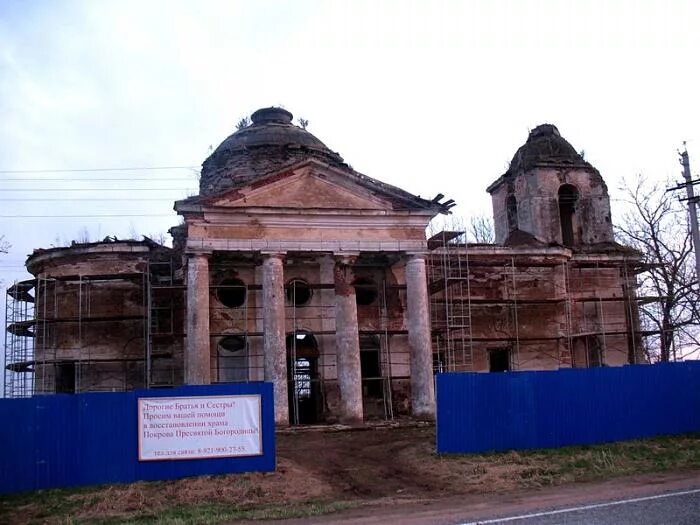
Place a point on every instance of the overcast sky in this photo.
(429, 96)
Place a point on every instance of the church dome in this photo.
(545, 147)
(270, 143)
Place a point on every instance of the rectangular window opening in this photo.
(65, 378)
(499, 360)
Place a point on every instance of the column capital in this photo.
(413, 255)
(273, 254)
(348, 259)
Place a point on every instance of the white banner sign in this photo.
(199, 427)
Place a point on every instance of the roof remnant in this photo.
(269, 144)
(401, 198)
(545, 147)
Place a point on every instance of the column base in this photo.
(424, 416)
(351, 421)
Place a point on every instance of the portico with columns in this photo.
(312, 277)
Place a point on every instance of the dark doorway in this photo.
(499, 360)
(304, 389)
(366, 291)
(370, 368)
(594, 350)
(568, 195)
(65, 378)
(373, 401)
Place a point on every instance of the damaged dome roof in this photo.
(545, 147)
(269, 143)
(270, 127)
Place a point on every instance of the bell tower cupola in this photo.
(552, 194)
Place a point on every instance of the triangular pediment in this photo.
(303, 188)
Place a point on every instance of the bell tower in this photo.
(551, 194)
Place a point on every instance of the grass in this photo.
(212, 514)
(55, 508)
(48, 503)
(585, 463)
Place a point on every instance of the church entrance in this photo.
(372, 379)
(302, 375)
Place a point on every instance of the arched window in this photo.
(233, 359)
(305, 402)
(568, 195)
(302, 343)
(512, 212)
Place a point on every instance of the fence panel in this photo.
(84, 439)
(17, 444)
(546, 409)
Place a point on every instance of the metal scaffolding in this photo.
(236, 339)
(164, 328)
(451, 308)
(120, 331)
(19, 339)
(72, 327)
(595, 299)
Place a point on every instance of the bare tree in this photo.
(481, 229)
(83, 236)
(656, 225)
(476, 229)
(160, 237)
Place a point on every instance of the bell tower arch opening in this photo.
(512, 213)
(568, 195)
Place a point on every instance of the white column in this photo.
(347, 344)
(197, 351)
(419, 340)
(274, 333)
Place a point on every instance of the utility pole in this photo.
(692, 201)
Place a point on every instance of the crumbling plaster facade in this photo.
(88, 326)
(544, 165)
(538, 210)
(291, 267)
(310, 222)
(544, 307)
(557, 291)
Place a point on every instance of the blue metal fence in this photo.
(521, 410)
(86, 439)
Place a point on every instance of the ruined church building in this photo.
(293, 268)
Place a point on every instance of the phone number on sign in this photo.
(209, 451)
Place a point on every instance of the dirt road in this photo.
(475, 508)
